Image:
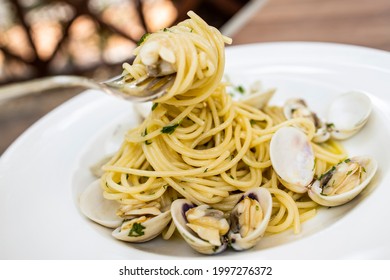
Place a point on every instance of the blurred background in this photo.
(47, 37)
(93, 38)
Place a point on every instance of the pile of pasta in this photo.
(200, 144)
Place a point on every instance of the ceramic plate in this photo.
(43, 173)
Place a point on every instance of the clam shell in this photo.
(263, 196)
(348, 113)
(292, 158)
(100, 210)
(178, 209)
(152, 228)
(259, 100)
(315, 190)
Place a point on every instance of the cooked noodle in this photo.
(200, 144)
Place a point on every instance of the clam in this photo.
(348, 113)
(132, 224)
(343, 182)
(258, 99)
(297, 108)
(249, 218)
(202, 227)
(144, 221)
(100, 210)
(143, 227)
(158, 56)
(292, 158)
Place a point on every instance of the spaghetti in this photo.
(200, 144)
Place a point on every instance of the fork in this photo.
(144, 89)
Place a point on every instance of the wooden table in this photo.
(359, 22)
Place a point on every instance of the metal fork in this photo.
(141, 90)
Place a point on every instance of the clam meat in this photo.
(202, 227)
(297, 108)
(142, 227)
(347, 114)
(132, 223)
(249, 219)
(343, 182)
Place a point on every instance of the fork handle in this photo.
(20, 89)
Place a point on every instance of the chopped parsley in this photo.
(329, 126)
(154, 106)
(147, 142)
(137, 230)
(169, 129)
(143, 38)
(205, 170)
(347, 160)
(240, 89)
(349, 172)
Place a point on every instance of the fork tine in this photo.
(140, 90)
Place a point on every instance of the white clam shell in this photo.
(315, 190)
(152, 228)
(263, 196)
(258, 100)
(178, 209)
(292, 158)
(348, 113)
(97, 208)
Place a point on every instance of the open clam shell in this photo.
(142, 229)
(297, 108)
(100, 210)
(249, 218)
(343, 182)
(259, 99)
(292, 158)
(348, 113)
(192, 236)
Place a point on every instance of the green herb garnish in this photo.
(137, 230)
(240, 89)
(169, 129)
(329, 126)
(154, 106)
(143, 38)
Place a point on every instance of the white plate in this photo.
(44, 171)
